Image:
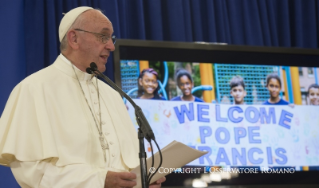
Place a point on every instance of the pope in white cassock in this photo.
(62, 127)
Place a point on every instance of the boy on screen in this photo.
(313, 94)
(237, 90)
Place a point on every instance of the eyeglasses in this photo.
(102, 37)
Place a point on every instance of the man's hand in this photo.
(120, 179)
(157, 184)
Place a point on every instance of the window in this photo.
(310, 72)
(300, 71)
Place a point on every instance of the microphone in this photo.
(89, 70)
(93, 66)
(140, 117)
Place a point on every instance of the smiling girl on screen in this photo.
(148, 85)
(185, 83)
(274, 86)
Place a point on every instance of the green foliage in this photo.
(171, 69)
(197, 80)
(157, 66)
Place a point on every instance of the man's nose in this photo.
(110, 46)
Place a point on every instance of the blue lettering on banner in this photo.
(204, 131)
(201, 113)
(252, 134)
(280, 153)
(218, 117)
(189, 113)
(240, 157)
(269, 155)
(255, 117)
(240, 132)
(222, 157)
(283, 118)
(236, 155)
(218, 137)
(251, 156)
(231, 114)
(271, 115)
(206, 156)
(246, 149)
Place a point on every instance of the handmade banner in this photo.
(244, 135)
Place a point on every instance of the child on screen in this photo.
(313, 94)
(148, 85)
(185, 83)
(237, 90)
(274, 86)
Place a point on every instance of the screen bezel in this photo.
(221, 53)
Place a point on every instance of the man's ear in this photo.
(72, 39)
(245, 93)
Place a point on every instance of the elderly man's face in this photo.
(92, 48)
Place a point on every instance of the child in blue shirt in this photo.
(185, 83)
(237, 90)
(274, 86)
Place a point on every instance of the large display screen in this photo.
(248, 107)
(243, 115)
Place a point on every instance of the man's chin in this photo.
(102, 68)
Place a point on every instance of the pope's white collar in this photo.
(82, 75)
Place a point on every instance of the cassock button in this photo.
(113, 155)
(103, 122)
(95, 102)
(92, 91)
(111, 143)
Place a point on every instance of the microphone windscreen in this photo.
(93, 66)
(89, 70)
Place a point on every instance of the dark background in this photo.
(29, 30)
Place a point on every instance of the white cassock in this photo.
(48, 135)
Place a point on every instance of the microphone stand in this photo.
(142, 156)
(144, 130)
